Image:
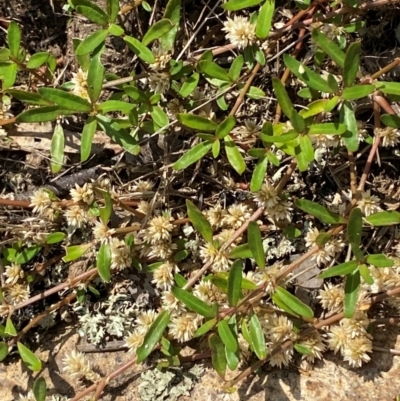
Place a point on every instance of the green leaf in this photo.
(89, 129)
(255, 244)
(314, 108)
(357, 92)
(232, 359)
(193, 303)
(205, 328)
(264, 19)
(103, 262)
(302, 349)
(94, 14)
(37, 60)
(57, 149)
(199, 222)
(115, 30)
(115, 105)
(235, 5)
(225, 127)
(30, 359)
(91, 42)
(112, 8)
(380, 260)
(347, 117)
(216, 148)
(3, 351)
(327, 129)
(305, 74)
(40, 389)
(105, 212)
(241, 252)
(10, 328)
(197, 122)
(153, 336)
(257, 337)
(190, 85)
(235, 283)
(391, 120)
(255, 93)
(323, 238)
(139, 49)
(304, 152)
(351, 291)
(294, 303)
(354, 228)
(259, 174)
(193, 155)
(282, 96)
(319, 212)
(4, 54)
(235, 158)
(291, 232)
(157, 30)
(389, 88)
(42, 114)
(340, 270)
(76, 251)
(66, 100)
(117, 134)
(159, 117)
(95, 78)
(286, 137)
(213, 70)
(236, 68)
(384, 218)
(227, 336)
(351, 64)
(173, 13)
(27, 254)
(28, 97)
(365, 274)
(329, 47)
(55, 238)
(297, 121)
(218, 358)
(14, 38)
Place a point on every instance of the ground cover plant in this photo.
(248, 138)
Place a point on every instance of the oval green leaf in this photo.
(40, 389)
(103, 262)
(93, 13)
(339, 270)
(57, 149)
(213, 70)
(235, 158)
(255, 243)
(193, 303)
(153, 336)
(156, 31)
(37, 60)
(91, 42)
(235, 5)
(3, 351)
(227, 336)
(351, 290)
(357, 92)
(205, 328)
(66, 100)
(387, 218)
(89, 129)
(30, 359)
(257, 337)
(320, 212)
(197, 122)
(199, 221)
(235, 283)
(380, 260)
(264, 19)
(76, 251)
(218, 358)
(55, 238)
(294, 303)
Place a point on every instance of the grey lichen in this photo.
(168, 385)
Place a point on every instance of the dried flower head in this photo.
(121, 255)
(161, 57)
(102, 232)
(144, 320)
(215, 215)
(277, 328)
(332, 297)
(355, 351)
(337, 338)
(369, 204)
(163, 276)
(183, 327)
(240, 31)
(13, 273)
(40, 200)
(282, 358)
(76, 216)
(144, 207)
(80, 86)
(159, 229)
(280, 212)
(267, 196)
(218, 259)
(159, 82)
(78, 367)
(249, 130)
(237, 215)
(143, 186)
(390, 136)
(209, 293)
(84, 194)
(134, 340)
(315, 344)
(17, 293)
(29, 397)
(174, 107)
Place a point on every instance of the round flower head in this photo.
(40, 201)
(240, 31)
